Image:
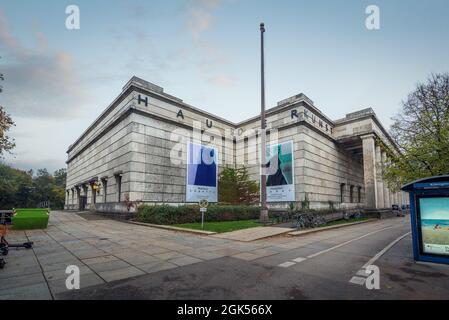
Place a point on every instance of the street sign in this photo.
(203, 203)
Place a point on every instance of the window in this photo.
(118, 180)
(359, 194)
(351, 194)
(105, 190)
(342, 192)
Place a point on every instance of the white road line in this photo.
(301, 259)
(286, 264)
(382, 252)
(362, 272)
(358, 280)
(347, 242)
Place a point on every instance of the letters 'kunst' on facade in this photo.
(135, 151)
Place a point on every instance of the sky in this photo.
(207, 53)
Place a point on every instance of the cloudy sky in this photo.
(207, 53)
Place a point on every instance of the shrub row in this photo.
(165, 214)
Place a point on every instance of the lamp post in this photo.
(264, 210)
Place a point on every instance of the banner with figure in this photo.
(202, 173)
(280, 178)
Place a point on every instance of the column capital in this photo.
(368, 136)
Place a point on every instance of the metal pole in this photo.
(264, 209)
(202, 219)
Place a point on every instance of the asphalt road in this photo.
(321, 268)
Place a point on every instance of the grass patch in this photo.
(26, 219)
(221, 226)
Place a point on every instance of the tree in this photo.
(20, 189)
(15, 188)
(235, 186)
(60, 177)
(6, 122)
(421, 132)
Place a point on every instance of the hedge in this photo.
(27, 219)
(166, 214)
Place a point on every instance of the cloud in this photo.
(200, 16)
(222, 80)
(26, 164)
(211, 58)
(40, 82)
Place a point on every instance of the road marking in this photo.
(286, 264)
(358, 280)
(363, 272)
(301, 259)
(382, 252)
(347, 242)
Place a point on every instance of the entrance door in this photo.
(83, 202)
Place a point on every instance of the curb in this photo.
(304, 232)
(160, 226)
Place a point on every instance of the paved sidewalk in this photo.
(108, 250)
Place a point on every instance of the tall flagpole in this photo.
(264, 209)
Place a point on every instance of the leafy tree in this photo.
(421, 132)
(6, 122)
(15, 187)
(236, 187)
(60, 177)
(20, 189)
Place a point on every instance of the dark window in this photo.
(105, 190)
(118, 179)
(342, 192)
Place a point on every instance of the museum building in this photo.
(125, 155)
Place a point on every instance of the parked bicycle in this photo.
(309, 220)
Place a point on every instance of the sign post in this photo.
(203, 208)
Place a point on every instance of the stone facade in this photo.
(127, 154)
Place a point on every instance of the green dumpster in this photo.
(26, 219)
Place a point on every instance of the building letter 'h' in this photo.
(139, 100)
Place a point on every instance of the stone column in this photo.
(379, 179)
(369, 171)
(386, 192)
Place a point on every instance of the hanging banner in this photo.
(202, 173)
(280, 181)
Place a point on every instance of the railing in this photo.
(44, 204)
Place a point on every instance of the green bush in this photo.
(165, 214)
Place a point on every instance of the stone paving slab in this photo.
(252, 234)
(109, 250)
